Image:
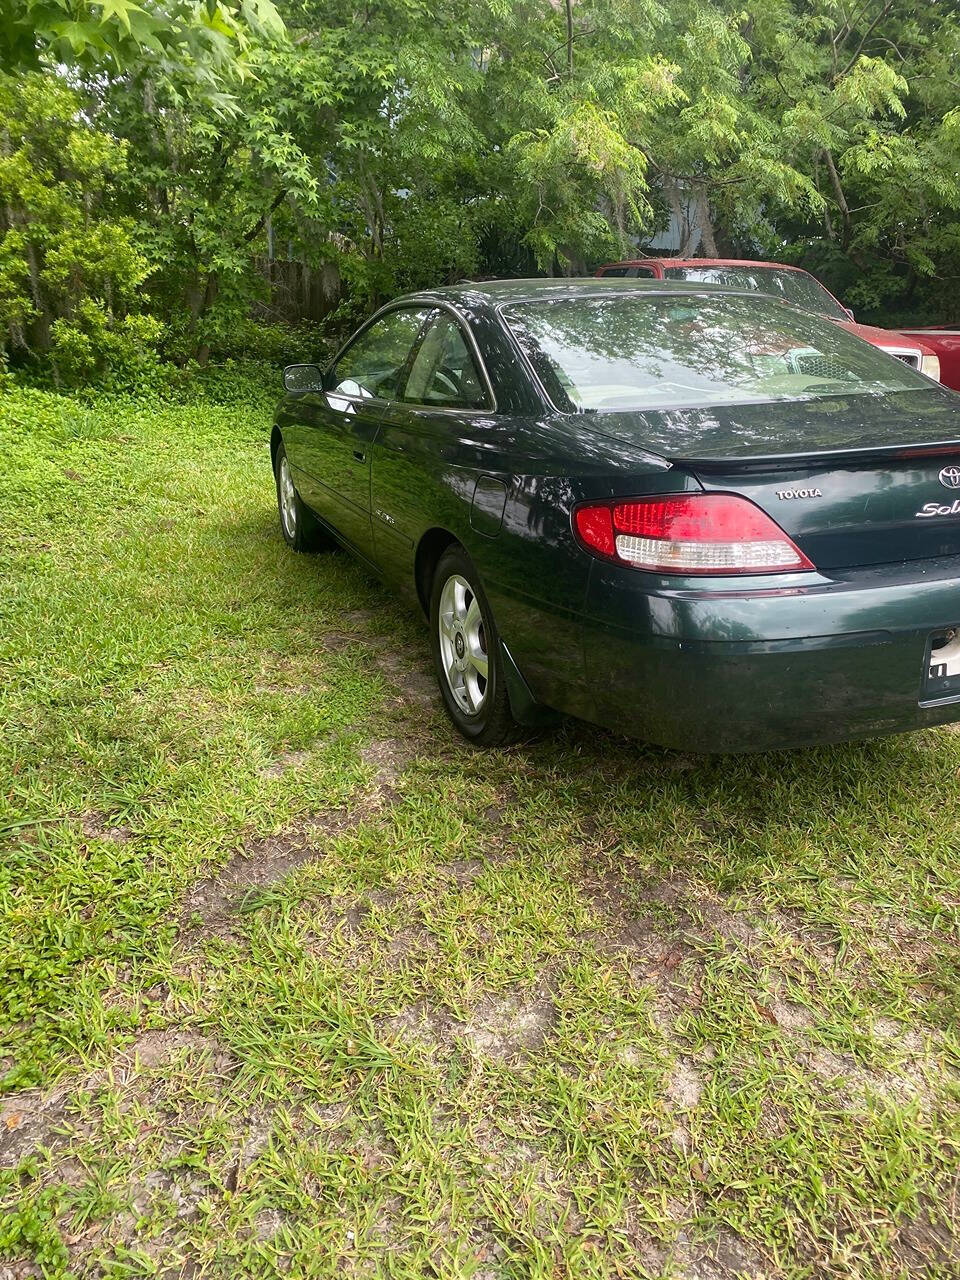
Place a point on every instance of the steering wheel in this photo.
(451, 379)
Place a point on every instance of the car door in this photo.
(444, 392)
(338, 426)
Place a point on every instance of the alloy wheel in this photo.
(463, 644)
(288, 498)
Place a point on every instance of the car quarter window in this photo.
(444, 373)
(371, 365)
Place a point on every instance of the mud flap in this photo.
(524, 706)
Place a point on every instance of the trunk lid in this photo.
(871, 511)
(856, 480)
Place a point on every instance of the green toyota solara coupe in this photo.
(693, 514)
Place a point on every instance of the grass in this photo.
(293, 983)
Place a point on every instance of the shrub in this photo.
(92, 347)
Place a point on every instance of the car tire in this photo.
(298, 524)
(466, 652)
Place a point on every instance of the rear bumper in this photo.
(772, 665)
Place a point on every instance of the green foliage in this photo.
(90, 346)
(28, 1222)
(206, 42)
(416, 142)
(70, 270)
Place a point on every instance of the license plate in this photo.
(942, 676)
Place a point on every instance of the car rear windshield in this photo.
(660, 351)
(791, 286)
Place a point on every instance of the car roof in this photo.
(704, 262)
(497, 292)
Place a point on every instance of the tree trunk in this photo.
(39, 325)
(209, 295)
(706, 224)
(841, 199)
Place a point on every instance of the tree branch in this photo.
(262, 220)
(866, 36)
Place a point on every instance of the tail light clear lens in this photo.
(713, 533)
(930, 365)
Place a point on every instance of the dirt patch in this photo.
(926, 1247)
(154, 1184)
(712, 910)
(855, 1083)
(212, 905)
(291, 690)
(632, 909)
(509, 1028)
(725, 1257)
(890, 1032)
(493, 815)
(100, 826)
(359, 618)
(158, 1046)
(286, 760)
(462, 871)
(811, 941)
(340, 641)
(417, 684)
(683, 1089)
(268, 1223)
(29, 1119)
(388, 757)
(644, 924)
(33, 1118)
(409, 945)
(422, 1024)
(683, 1094)
(789, 1015)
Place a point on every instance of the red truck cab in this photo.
(944, 342)
(792, 284)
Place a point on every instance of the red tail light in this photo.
(688, 533)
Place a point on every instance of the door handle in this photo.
(359, 455)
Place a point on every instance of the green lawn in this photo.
(293, 983)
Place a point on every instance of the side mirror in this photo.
(303, 377)
(848, 313)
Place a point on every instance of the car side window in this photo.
(371, 366)
(444, 373)
(643, 273)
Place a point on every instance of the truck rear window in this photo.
(792, 286)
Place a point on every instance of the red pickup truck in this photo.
(945, 344)
(793, 284)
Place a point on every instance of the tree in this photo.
(70, 269)
(405, 143)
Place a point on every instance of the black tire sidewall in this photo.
(456, 561)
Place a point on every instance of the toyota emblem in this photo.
(950, 477)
